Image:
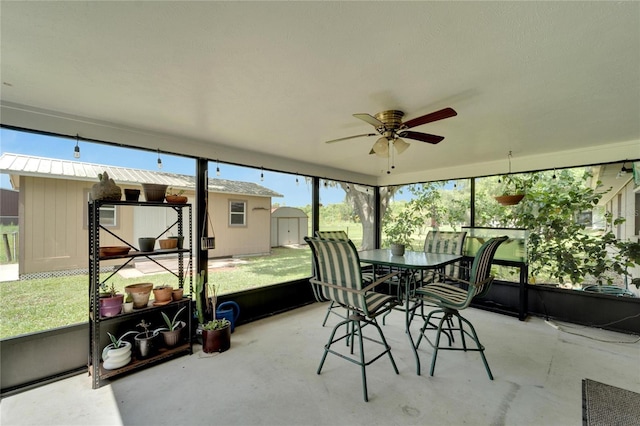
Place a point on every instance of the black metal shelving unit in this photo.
(128, 320)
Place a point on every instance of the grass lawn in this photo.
(12, 240)
(35, 305)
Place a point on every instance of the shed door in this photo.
(287, 231)
(150, 221)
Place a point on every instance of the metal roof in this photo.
(27, 165)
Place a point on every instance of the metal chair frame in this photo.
(338, 270)
(450, 296)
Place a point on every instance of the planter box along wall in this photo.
(614, 313)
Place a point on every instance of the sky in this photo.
(295, 195)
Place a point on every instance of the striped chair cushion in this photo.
(481, 267)
(332, 235)
(339, 265)
(445, 242)
(451, 295)
(368, 277)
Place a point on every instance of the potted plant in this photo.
(162, 295)
(175, 197)
(398, 230)
(216, 335)
(110, 301)
(106, 189)
(127, 306)
(145, 340)
(179, 240)
(171, 334)
(140, 293)
(514, 190)
(117, 353)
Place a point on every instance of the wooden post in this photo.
(7, 249)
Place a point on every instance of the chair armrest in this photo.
(352, 290)
(460, 280)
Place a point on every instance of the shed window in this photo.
(237, 213)
(108, 214)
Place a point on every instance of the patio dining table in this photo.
(412, 264)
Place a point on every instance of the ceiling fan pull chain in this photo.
(393, 154)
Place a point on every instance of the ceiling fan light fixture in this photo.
(381, 147)
(401, 146)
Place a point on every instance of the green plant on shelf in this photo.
(118, 342)
(171, 191)
(106, 290)
(145, 326)
(172, 324)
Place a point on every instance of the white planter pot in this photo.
(116, 358)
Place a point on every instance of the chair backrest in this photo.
(445, 242)
(318, 291)
(332, 235)
(448, 242)
(338, 264)
(481, 267)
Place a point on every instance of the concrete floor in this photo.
(268, 377)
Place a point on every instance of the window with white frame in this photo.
(108, 214)
(237, 213)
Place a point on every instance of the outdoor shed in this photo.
(289, 225)
(53, 241)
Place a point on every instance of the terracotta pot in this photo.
(176, 199)
(177, 294)
(216, 340)
(509, 200)
(162, 294)
(179, 241)
(169, 243)
(140, 293)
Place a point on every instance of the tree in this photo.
(400, 225)
(560, 246)
(362, 200)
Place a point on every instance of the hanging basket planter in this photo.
(206, 242)
(509, 200)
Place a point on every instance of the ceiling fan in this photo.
(389, 124)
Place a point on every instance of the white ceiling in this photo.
(266, 83)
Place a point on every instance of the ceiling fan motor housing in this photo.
(392, 119)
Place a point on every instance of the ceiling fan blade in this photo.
(423, 137)
(370, 119)
(351, 137)
(434, 116)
